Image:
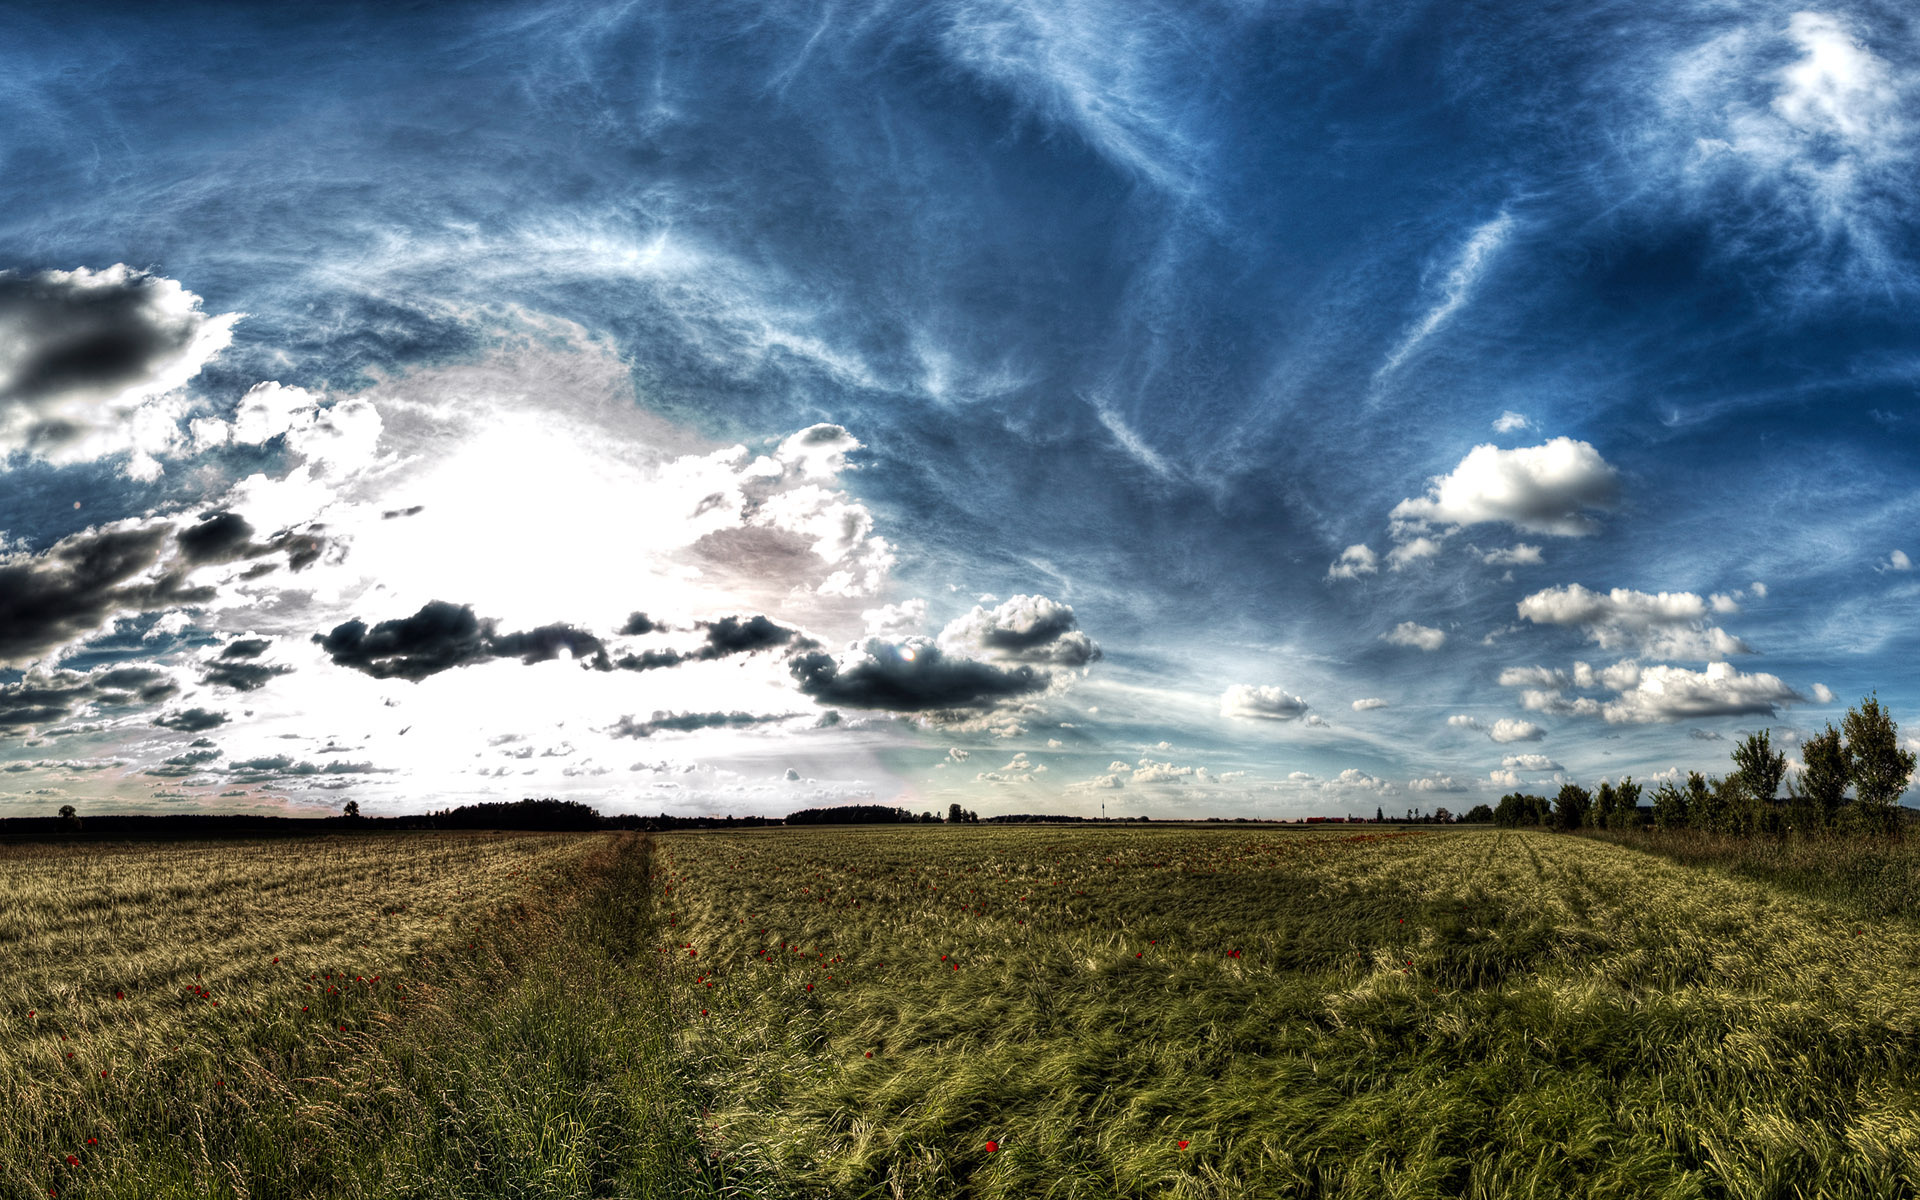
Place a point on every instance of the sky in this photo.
(1211, 408)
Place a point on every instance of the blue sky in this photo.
(1200, 409)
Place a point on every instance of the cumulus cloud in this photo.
(1508, 729)
(1660, 625)
(1354, 561)
(1420, 637)
(1371, 702)
(1822, 693)
(1664, 694)
(85, 355)
(1529, 762)
(1436, 783)
(1518, 555)
(1503, 778)
(440, 637)
(1553, 488)
(744, 635)
(895, 620)
(1510, 422)
(1149, 771)
(915, 675)
(1031, 629)
(1260, 703)
(1897, 561)
(1410, 552)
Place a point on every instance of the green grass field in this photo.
(956, 1011)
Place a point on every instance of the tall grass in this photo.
(1190, 1013)
(448, 1016)
(1875, 876)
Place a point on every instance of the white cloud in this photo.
(1031, 629)
(1529, 762)
(1353, 777)
(1823, 693)
(1661, 625)
(1463, 721)
(1824, 139)
(1507, 729)
(1759, 589)
(1407, 633)
(1354, 562)
(1458, 285)
(1665, 693)
(895, 620)
(1150, 771)
(1898, 561)
(1503, 779)
(1371, 702)
(1412, 551)
(1251, 702)
(1551, 488)
(1510, 421)
(958, 755)
(1520, 555)
(1436, 783)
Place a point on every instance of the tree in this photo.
(69, 816)
(1626, 804)
(1758, 769)
(1881, 768)
(352, 809)
(1479, 814)
(1822, 787)
(1442, 817)
(955, 814)
(1570, 806)
(1671, 809)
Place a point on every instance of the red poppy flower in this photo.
(869, 1054)
(1183, 1145)
(72, 1160)
(992, 1147)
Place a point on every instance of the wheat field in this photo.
(1199, 1013)
(947, 1012)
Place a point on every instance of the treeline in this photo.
(1850, 782)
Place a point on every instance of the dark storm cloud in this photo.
(914, 676)
(220, 537)
(649, 660)
(242, 676)
(246, 648)
(735, 635)
(638, 623)
(87, 335)
(46, 699)
(79, 583)
(688, 722)
(188, 763)
(269, 768)
(228, 536)
(191, 720)
(442, 636)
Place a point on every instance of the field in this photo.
(951, 1011)
(429, 1015)
(1233, 1013)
